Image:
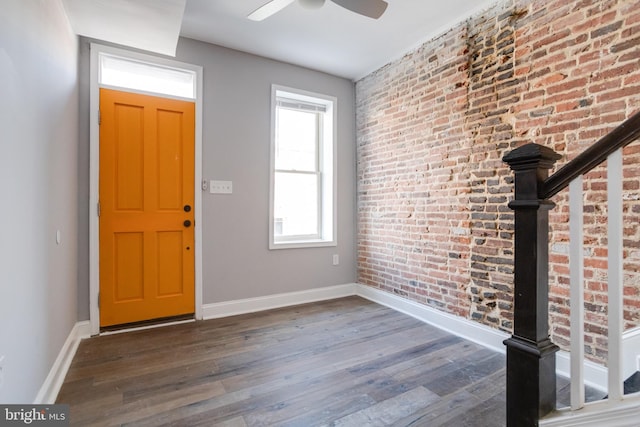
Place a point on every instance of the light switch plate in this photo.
(220, 187)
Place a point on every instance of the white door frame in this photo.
(94, 165)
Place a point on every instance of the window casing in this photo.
(303, 188)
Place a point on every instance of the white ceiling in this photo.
(152, 25)
(331, 39)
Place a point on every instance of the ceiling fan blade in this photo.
(268, 9)
(371, 8)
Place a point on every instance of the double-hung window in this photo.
(302, 169)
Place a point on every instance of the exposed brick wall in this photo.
(493, 92)
(581, 63)
(414, 229)
(434, 225)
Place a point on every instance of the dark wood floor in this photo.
(346, 362)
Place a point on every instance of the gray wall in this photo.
(236, 138)
(38, 191)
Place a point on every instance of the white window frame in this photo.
(327, 215)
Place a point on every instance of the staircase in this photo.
(531, 356)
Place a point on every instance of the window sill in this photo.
(302, 244)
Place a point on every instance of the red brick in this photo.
(432, 127)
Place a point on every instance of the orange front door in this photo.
(146, 207)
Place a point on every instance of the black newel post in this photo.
(531, 365)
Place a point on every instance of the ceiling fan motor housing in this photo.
(311, 4)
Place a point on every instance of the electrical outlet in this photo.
(1, 371)
(336, 259)
(220, 187)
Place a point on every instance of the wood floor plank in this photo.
(234, 422)
(465, 374)
(410, 353)
(344, 394)
(338, 356)
(389, 411)
(345, 362)
(441, 412)
(143, 408)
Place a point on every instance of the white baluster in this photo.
(615, 274)
(576, 268)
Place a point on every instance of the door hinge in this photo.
(98, 299)
(99, 117)
(98, 208)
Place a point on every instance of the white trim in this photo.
(51, 386)
(615, 275)
(594, 375)
(597, 414)
(94, 179)
(464, 328)
(94, 163)
(147, 327)
(630, 352)
(199, 290)
(576, 286)
(327, 165)
(253, 305)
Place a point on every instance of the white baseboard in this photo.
(253, 305)
(51, 386)
(630, 352)
(464, 328)
(594, 375)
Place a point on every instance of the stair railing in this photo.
(531, 366)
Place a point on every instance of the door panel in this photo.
(128, 267)
(170, 263)
(169, 189)
(129, 157)
(146, 180)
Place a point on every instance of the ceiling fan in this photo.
(370, 8)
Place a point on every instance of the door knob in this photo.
(187, 223)
(187, 208)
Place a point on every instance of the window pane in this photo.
(296, 140)
(131, 74)
(296, 204)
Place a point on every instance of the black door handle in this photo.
(187, 223)
(187, 208)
